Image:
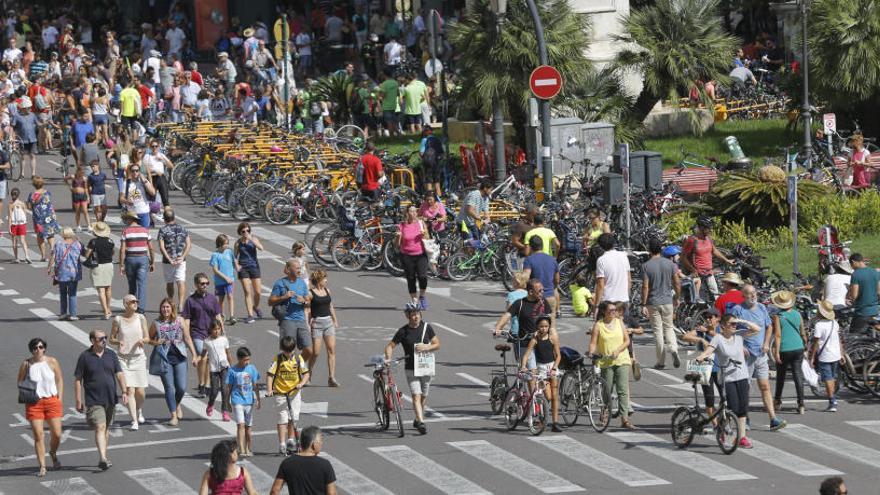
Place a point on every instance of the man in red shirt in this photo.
(731, 284)
(196, 75)
(372, 172)
(41, 108)
(697, 255)
(147, 97)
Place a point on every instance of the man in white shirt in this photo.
(333, 28)
(155, 62)
(837, 284)
(175, 38)
(49, 34)
(226, 71)
(12, 53)
(613, 278)
(303, 42)
(393, 53)
(189, 91)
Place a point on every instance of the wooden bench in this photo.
(692, 181)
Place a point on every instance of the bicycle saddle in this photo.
(502, 347)
(693, 377)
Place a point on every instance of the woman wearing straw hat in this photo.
(102, 275)
(826, 351)
(788, 349)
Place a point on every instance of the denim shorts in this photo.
(199, 345)
(223, 290)
(828, 371)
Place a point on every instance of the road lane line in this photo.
(473, 379)
(450, 330)
(359, 292)
(71, 486)
(538, 478)
(273, 332)
(689, 460)
(160, 481)
(352, 481)
(427, 470)
(195, 406)
(592, 458)
(834, 444)
(787, 461)
(664, 374)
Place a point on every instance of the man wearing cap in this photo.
(227, 73)
(661, 289)
(757, 347)
(836, 284)
(731, 282)
(862, 295)
(827, 351)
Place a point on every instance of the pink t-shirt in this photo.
(436, 212)
(411, 238)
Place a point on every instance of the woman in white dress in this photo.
(130, 333)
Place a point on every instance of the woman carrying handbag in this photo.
(40, 388)
(411, 236)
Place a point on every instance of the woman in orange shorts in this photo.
(44, 374)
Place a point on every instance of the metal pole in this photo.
(808, 130)
(498, 139)
(284, 55)
(546, 156)
(435, 24)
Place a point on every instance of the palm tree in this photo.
(673, 44)
(497, 63)
(601, 97)
(844, 44)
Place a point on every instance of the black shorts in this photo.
(249, 272)
(433, 170)
(128, 122)
(29, 148)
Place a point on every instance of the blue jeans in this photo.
(68, 297)
(174, 382)
(136, 269)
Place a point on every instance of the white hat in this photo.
(155, 53)
(222, 54)
(25, 102)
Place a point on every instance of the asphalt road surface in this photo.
(466, 450)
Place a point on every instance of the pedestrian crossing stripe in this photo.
(351, 481)
(70, 486)
(834, 444)
(428, 470)
(160, 481)
(785, 460)
(517, 467)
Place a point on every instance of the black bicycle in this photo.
(688, 421)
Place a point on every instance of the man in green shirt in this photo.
(550, 244)
(360, 109)
(388, 95)
(414, 94)
(862, 294)
(130, 106)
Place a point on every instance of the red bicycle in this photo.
(386, 396)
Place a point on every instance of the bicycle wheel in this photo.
(540, 412)
(871, 374)
(279, 210)
(682, 427)
(320, 247)
(15, 166)
(380, 405)
(391, 259)
(512, 409)
(496, 394)
(255, 196)
(597, 409)
(313, 229)
(375, 251)
(727, 433)
(458, 267)
(349, 254)
(569, 399)
(395, 397)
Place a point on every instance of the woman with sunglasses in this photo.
(44, 374)
(133, 195)
(610, 339)
(246, 248)
(157, 165)
(129, 332)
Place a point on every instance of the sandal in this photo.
(627, 424)
(56, 464)
(42, 472)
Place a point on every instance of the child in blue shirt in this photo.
(241, 389)
(225, 266)
(97, 190)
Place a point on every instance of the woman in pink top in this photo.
(433, 212)
(225, 476)
(415, 262)
(857, 166)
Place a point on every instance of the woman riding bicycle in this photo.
(546, 348)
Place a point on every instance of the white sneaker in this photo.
(134, 426)
(141, 417)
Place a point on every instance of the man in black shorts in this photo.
(431, 151)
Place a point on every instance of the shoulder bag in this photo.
(279, 311)
(431, 247)
(424, 362)
(27, 388)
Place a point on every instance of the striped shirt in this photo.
(136, 240)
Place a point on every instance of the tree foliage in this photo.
(672, 44)
(600, 96)
(335, 88)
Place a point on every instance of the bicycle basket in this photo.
(704, 369)
(569, 358)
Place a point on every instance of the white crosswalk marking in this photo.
(787, 461)
(274, 237)
(301, 227)
(199, 253)
(160, 481)
(70, 486)
(427, 470)
(261, 480)
(521, 469)
(353, 482)
(834, 444)
(600, 461)
(690, 460)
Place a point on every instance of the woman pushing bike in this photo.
(546, 348)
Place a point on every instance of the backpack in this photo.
(314, 108)
(40, 100)
(570, 236)
(359, 172)
(279, 311)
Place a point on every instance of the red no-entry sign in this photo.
(545, 82)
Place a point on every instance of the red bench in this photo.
(691, 182)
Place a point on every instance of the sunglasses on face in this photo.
(102, 338)
(203, 284)
(38, 347)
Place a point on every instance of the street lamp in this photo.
(499, 8)
(806, 114)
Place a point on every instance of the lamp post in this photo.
(806, 114)
(284, 64)
(499, 8)
(546, 139)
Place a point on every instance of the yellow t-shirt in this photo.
(546, 235)
(287, 373)
(128, 100)
(610, 339)
(580, 299)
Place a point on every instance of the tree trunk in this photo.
(644, 104)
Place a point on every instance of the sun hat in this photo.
(844, 266)
(733, 278)
(222, 55)
(782, 299)
(101, 229)
(248, 32)
(25, 102)
(130, 215)
(826, 309)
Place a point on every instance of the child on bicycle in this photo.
(546, 349)
(286, 377)
(241, 389)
